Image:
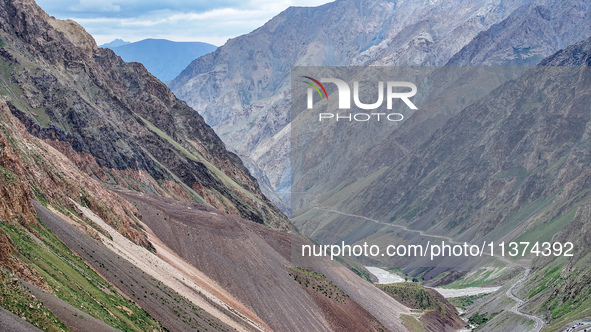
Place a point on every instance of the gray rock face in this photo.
(242, 89)
(529, 34)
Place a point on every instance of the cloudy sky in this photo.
(211, 21)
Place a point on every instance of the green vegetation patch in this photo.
(413, 295)
(569, 298)
(198, 158)
(363, 273)
(544, 232)
(412, 324)
(73, 281)
(413, 212)
(6, 176)
(317, 282)
(478, 319)
(307, 272)
(465, 301)
(41, 116)
(39, 195)
(518, 172)
(557, 164)
(482, 277)
(16, 299)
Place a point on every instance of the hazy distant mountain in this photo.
(115, 43)
(163, 58)
(248, 108)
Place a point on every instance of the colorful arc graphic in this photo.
(319, 84)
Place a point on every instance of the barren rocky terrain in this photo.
(251, 262)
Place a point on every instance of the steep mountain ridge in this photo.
(28, 162)
(122, 124)
(531, 33)
(32, 169)
(561, 299)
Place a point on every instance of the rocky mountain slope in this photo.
(117, 121)
(239, 268)
(516, 148)
(163, 58)
(247, 257)
(531, 33)
(557, 286)
(439, 314)
(119, 200)
(242, 89)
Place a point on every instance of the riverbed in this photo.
(387, 277)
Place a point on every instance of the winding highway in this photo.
(406, 229)
(519, 302)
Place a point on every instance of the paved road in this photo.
(12, 322)
(581, 325)
(406, 229)
(448, 239)
(520, 302)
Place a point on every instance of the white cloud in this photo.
(181, 20)
(95, 6)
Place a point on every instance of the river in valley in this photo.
(387, 277)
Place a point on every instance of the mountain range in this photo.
(163, 58)
(242, 89)
(114, 43)
(122, 210)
